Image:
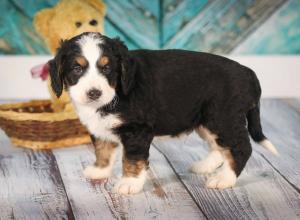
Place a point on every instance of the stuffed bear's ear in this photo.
(127, 65)
(56, 76)
(41, 21)
(99, 5)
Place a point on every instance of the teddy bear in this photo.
(65, 20)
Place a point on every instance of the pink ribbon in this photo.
(40, 71)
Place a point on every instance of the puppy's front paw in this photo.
(94, 172)
(129, 185)
(223, 179)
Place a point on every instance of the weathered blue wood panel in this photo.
(135, 21)
(30, 7)
(176, 14)
(113, 31)
(17, 35)
(219, 26)
(149, 5)
(198, 25)
(282, 37)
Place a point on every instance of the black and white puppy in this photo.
(126, 98)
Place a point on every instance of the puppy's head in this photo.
(93, 68)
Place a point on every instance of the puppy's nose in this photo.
(94, 94)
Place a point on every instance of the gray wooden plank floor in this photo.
(50, 184)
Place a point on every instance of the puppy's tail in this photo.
(255, 130)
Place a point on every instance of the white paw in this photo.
(225, 178)
(130, 185)
(203, 167)
(93, 172)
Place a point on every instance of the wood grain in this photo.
(30, 184)
(222, 25)
(17, 35)
(239, 26)
(274, 36)
(281, 124)
(260, 193)
(292, 102)
(43, 185)
(138, 23)
(176, 14)
(164, 197)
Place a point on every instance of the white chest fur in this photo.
(100, 126)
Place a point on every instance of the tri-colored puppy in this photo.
(127, 98)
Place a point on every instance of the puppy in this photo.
(127, 98)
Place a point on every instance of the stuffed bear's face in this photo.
(77, 19)
(68, 19)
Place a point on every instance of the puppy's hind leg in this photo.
(105, 158)
(215, 157)
(236, 153)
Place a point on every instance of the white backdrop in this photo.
(279, 76)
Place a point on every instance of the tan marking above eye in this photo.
(103, 61)
(81, 61)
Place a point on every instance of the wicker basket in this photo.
(34, 125)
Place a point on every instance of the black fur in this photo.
(176, 91)
(168, 92)
(55, 76)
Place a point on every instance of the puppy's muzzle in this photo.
(94, 94)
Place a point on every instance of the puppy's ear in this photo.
(55, 76)
(55, 68)
(127, 76)
(127, 66)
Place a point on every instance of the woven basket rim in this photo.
(6, 113)
(42, 145)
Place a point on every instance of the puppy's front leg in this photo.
(105, 157)
(136, 145)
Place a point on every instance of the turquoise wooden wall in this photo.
(218, 26)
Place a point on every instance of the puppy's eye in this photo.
(77, 70)
(106, 69)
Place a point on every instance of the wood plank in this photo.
(293, 102)
(112, 31)
(176, 14)
(30, 7)
(200, 29)
(164, 197)
(31, 187)
(137, 23)
(17, 35)
(279, 34)
(222, 25)
(260, 193)
(151, 6)
(281, 124)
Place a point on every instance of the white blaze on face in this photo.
(92, 78)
